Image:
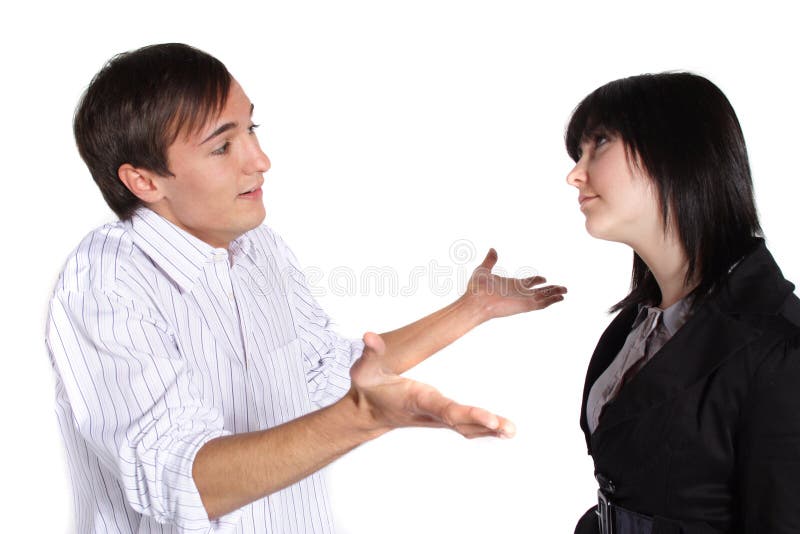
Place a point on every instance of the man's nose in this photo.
(257, 160)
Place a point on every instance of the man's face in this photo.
(215, 193)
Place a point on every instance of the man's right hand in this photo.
(388, 400)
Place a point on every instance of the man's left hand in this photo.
(500, 296)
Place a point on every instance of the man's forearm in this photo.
(413, 343)
(233, 471)
(487, 296)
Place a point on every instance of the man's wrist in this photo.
(475, 310)
(358, 414)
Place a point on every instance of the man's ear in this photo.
(141, 182)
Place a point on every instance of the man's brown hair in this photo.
(136, 107)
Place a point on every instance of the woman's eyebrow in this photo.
(589, 133)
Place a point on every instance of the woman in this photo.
(691, 407)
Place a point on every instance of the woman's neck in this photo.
(667, 260)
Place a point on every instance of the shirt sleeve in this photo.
(134, 403)
(770, 447)
(327, 355)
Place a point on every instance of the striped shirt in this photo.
(160, 343)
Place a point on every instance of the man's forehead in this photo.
(223, 122)
(194, 122)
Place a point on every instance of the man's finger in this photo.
(455, 415)
(478, 431)
(540, 303)
(489, 260)
(374, 343)
(549, 291)
(533, 281)
(475, 431)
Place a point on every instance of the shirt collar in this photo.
(676, 315)
(178, 253)
(672, 318)
(243, 245)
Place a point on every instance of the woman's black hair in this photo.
(682, 131)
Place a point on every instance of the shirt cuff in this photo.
(181, 494)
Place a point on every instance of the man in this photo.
(199, 385)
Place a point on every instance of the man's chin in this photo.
(257, 220)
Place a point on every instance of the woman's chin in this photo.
(596, 230)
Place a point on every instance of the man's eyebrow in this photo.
(224, 128)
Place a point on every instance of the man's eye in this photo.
(221, 150)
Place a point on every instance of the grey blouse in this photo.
(651, 330)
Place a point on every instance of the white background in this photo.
(395, 130)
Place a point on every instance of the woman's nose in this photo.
(577, 175)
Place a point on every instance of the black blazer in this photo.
(706, 437)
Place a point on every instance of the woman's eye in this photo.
(600, 140)
(221, 150)
(252, 128)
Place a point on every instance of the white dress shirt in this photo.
(161, 343)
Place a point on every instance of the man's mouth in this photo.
(252, 193)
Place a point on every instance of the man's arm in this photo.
(233, 471)
(126, 402)
(487, 296)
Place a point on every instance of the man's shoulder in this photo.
(99, 260)
(269, 243)
(264, 237)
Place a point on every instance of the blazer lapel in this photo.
(717, 329)
(704, 342)
(607, 348)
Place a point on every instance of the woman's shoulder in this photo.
(790, 310)
(774, 354)
(756, 292)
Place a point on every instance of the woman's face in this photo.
(619, 201)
